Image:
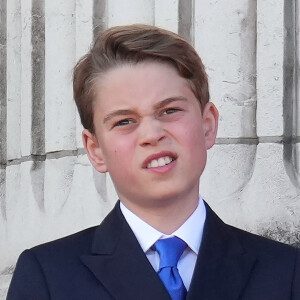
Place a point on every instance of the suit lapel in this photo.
(120, 264)
(223, 267)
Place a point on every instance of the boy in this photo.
(143, 99)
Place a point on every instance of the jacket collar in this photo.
(223, 266)
(222, 269)
(119, 263)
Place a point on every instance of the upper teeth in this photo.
(162, 161)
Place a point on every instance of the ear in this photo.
(94, 151)
(210, 117)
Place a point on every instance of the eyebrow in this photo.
(126, 112)
(167, 101)
(119, 112)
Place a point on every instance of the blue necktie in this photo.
(169, 251)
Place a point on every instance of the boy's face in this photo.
(150, 134)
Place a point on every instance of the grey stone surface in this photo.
(3, 82)
(38, 77)
(229, 169)
(166, 14)
(186, 19)
(60, 112)
(225, 37)
(2, 196)
(137, 11)
(26, 99)
(267, 202)
(14, 71)
(86, 28)
(48, 188)
(46, 200)
(99, 13)
(270, 77)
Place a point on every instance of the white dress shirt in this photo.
(190, 232)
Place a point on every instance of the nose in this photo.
(151, 132)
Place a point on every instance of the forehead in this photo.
(137, 84)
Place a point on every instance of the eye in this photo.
(170, 111)
(123, 122)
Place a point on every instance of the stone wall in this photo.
(251, 52)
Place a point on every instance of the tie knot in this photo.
(169, 251)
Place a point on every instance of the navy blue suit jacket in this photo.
(106, 262)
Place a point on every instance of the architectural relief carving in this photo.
(251, 51)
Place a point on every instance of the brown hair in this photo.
(130, 45)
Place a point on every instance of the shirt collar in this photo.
(190, 231)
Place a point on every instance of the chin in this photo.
(165, 197)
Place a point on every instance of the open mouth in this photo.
(162, 161)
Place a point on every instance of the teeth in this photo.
(162, 161)
(154, 163)
(168, 159)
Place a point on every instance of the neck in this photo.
(168, 215)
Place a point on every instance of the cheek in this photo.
(121, 152)
(191, 137)
(191, 134)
